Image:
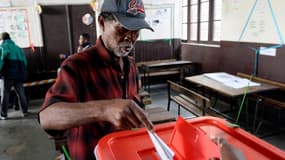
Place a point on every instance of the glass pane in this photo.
(217, 31)
(193, 32)
(205, 11)
(194, 1)
(184, 31)
(184, 2)
(218, 10)
(204, 31)
(185, 14)
(194, 13)
(204, 0)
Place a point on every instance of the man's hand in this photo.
(125, 114)
(228, 152)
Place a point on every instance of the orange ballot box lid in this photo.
(189, 141)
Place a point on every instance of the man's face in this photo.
(81, 40)
(119, 39)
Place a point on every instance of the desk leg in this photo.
(181, 74)
(215, 100)
(256, 114)
(204, 107)
(144, 80)
(148, 81)
(247, 114)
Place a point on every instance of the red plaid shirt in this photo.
(91, 75)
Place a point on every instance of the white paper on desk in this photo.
(163, 151)
(240, 83)
(231, 80)
(220, 76)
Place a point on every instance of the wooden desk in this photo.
(164, 66)
(219, 87)
(225, 90)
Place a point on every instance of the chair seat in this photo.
(159, 115)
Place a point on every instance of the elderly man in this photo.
(96, 90)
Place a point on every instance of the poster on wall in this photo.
(160, 19)
(15, 22)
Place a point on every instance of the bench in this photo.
(158, 68)
(274, 98)
(144, 76)
(159, 73)
(190, 100)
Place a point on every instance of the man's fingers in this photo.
(133, 119)
(139, 113)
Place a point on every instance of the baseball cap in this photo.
(130, 13)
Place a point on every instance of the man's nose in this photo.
(131, 36)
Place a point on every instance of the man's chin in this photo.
(122, 54)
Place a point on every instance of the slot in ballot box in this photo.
(136, 144)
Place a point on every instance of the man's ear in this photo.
(101, 23)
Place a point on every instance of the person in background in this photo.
(13, 100)
(96, 90)
(13, 65)
(84, 43)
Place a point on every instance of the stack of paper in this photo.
(231, 80)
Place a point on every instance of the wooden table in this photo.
(233, 93)
(164, 66)
(225, 90)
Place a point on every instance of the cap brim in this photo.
(132, 23)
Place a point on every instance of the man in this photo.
(84, 43)
(13, 65)
(96, 90)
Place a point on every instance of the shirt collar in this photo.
(103, 52)
(106, 55)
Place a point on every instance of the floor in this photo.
(23, 139)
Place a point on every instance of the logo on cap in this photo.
(135, 7)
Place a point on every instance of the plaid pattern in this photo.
(91, 75)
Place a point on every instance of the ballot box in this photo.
(136, 144)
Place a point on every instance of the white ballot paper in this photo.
(231, 80)
(163, 151)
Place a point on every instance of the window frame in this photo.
(211, 21)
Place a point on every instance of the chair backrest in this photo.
(191, 96)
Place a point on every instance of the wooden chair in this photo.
(188, 99)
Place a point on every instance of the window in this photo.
(185, 20)
(201, 21)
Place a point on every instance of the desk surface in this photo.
(228, 91)
(167, 64)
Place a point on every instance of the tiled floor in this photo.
(23, 139)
